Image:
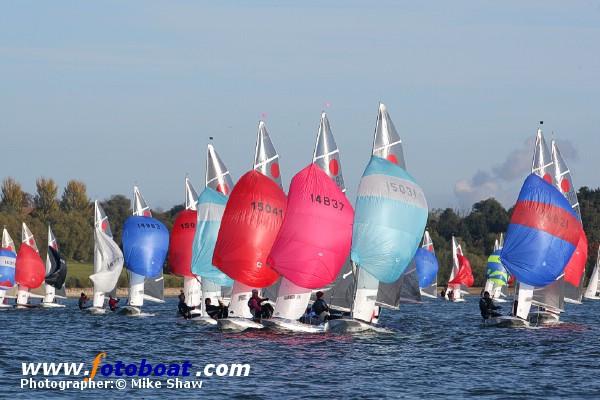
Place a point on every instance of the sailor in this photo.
(320, 308)
(257, 309)
(183, 308)
(451, 295)
(113, 303)
(215, 312)
(487, 307)
(82, 300)
(443, 293)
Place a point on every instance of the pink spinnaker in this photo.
(315, 237)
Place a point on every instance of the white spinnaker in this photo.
(592, 289)
(292, 300)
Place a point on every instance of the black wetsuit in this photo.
(487, 307)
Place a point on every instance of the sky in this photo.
(120, 93)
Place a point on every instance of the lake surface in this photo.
(436, 350)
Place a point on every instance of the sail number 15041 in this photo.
(266, 207)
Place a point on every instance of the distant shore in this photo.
(174, 292)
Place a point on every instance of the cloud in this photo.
(517, 164)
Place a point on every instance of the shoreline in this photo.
(174, 292)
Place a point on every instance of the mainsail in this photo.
(427, 267)
(249, 226)
(29, 267)
(108, 258)
(496, 274)
(592, 289)
(575, 269)
(390, 216)
(145, 245)
(314, 239)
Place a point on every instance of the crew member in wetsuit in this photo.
(82, 300)
(451, 295)
(443, 293)
(320, 308)
(257, 309)
(113, 303)
(487, 307)
(183, 308)
(215, 312)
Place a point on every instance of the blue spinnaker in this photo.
(211, 205)
(427, 267)
(542, 234)
(389, 221)
(145, 245)
(8, 259)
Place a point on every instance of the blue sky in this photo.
(116, 93)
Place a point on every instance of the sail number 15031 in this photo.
(327, 201)
(266, 207)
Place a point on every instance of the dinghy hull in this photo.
(289, 325)
(237, 324)
(506, 321)
(96, 310)
(52, 305)
(344, 325)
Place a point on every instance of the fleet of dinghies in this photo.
(233, 239)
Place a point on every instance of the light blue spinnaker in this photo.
(210, 208)
(211, 205)
(382, 245)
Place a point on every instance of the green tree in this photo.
(75, 198)
(45, 200)
(13, 197)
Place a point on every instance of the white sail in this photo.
(50, 291)
(108, 258)
(191, 284)
(7, 242)
(564, 183)
(191, 197)
(266, 158)
(217, 174)
(592, 289)
(427, 244)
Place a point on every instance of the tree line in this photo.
(71, 216)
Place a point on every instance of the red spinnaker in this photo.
(249, 226)
(315, 238)
(576, 265)
(180, 244)
(29, 269)
(464, 276)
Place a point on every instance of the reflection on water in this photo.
(435, 349)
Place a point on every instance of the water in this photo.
(435, 350)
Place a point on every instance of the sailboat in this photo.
(315, 237)
(210, 209)
(29, 268)
(389, 222)
(249, 226)
(8, 259)
(180, 249)
(542, 236)
(575, 269)
(427, 267)
(108, 261)
(56, 274)
(461, 275)
(592, 292)
(496, 274)
(145, 246)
